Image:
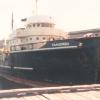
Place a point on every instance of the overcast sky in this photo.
(70, 15)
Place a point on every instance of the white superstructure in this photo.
(38, 30)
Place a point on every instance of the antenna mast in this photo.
(36, 7)
(12, 22)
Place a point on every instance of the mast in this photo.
(36, 7)
(12, 22)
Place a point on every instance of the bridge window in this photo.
(44, 38)
(43, 24)
(37, 38)
(33, 25)
(30, 38)
(38, 25)
(23, 48)
(46, 25)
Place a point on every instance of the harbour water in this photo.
(6, 84)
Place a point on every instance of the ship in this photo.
(40, 51)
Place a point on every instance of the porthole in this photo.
(30, 38)
(38, 25)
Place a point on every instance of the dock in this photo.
(48, 91)
(77, 92)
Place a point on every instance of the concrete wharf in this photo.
(77, 92)
(48, 91)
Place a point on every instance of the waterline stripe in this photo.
(24, 68)
(3, 66)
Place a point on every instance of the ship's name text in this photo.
(61, 44)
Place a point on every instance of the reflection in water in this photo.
(6, 84)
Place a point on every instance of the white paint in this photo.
(60, 44)
(24, 68)
(3, 66)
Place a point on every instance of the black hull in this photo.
(65, 65)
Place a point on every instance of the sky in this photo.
(70, 15)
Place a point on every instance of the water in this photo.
(6, 84)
